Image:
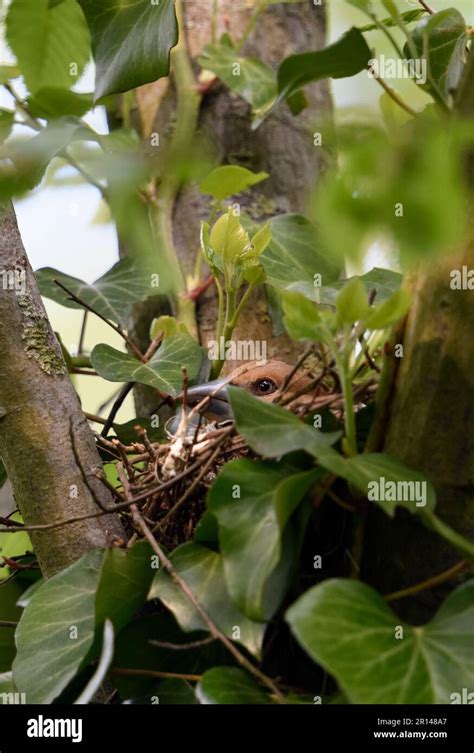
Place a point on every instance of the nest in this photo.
(169, 481)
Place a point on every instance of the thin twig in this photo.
(427, 7)
(436, 580)
(392, 93)
(183, 646)
(116, 327)
(153, 673)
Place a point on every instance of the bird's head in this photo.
(263, 380)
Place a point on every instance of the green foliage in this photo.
(9, 611)
(385, 282)
(163, 371)
(6, 124)
(348, 628)
(203, 571)
(441, 40)
(249, 77)
(29, 158)
(51, 43)
(58, 626)
(408, 188)
(131, 42)
(228, 180)
(295, 256)
(51, 103)
(344, 58)
(255, 536)
(229, 685)
(112, 295)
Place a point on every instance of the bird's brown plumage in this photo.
(263, 380)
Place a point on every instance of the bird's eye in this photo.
(264, 387)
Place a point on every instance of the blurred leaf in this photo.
(51, 102)
(112, 295)
(346, 57)
(6, 123)
(203, 571)
(384, 281)
(167, 325)
(304, 321)
(51, 43)
(270, 430)
(295, 255)
(163, 371)
(349, 629)
(249, 77)
(131, 42)
(441, 41)
(408, 16)
(251, 530)
(351, 303)
(229, 685)
(25, 160)
(389, 312)
(229, 180)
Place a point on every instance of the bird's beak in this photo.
(218, 406)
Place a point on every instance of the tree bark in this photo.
(282, 146)
(43, 431)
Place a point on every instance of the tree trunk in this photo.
(429, 422)
(282, 146)
(43, 432)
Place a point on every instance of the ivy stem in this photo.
(259, 8)
(392, 93)
(187, 112)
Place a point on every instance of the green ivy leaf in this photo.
(440, 40)
(295, 255)
(49, 103)
(351, 303)
(229, 685)
(273, 431)
(6, 687)
(47, 657)
(8, 72)
(6, 124)
(389, 312)
(112, 295)
(229, 180)
(346, 57)
(101, 585)
(131, 42)
(163, 371)
(47, 41)
(408, 17)
(30, 157)
(202, 570)
(385, 282)
(348, 628)
(255, 536)
(303, 321)
(249, 77)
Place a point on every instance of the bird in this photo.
(263, 380)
